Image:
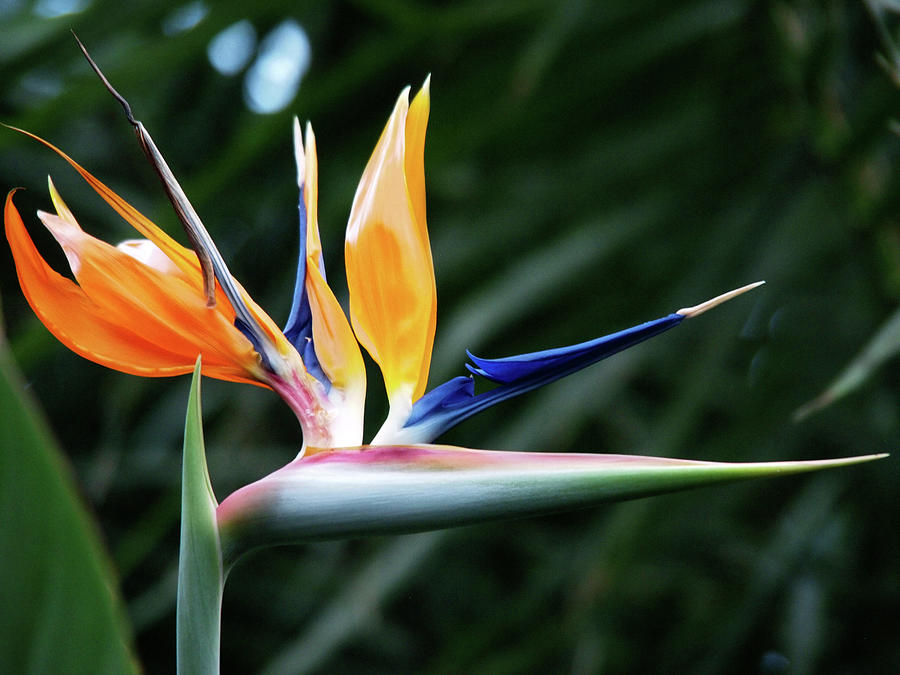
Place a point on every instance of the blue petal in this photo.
(299, 324)
(452, 402)
(567, 360)
(248, 332)
(453, 393)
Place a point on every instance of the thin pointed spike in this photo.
(183, 208)
(106, 83)
(697, 310)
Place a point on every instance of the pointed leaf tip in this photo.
(201, 575)
(697, 310)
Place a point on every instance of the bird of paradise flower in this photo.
(152, 306)
(144, 307)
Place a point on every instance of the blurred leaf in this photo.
(883, 346)
(355, 605)
(61, 608)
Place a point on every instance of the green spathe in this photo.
(370, 490)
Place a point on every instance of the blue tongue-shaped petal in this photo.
(564, 360)
(298, 329)
(455, 394)
(455, 400)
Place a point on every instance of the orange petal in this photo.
(311, 193)
(390, 272)
(125, 315)
(336, 347)
(416, 125)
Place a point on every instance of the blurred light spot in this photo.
(50, 9)
(184, 18)
(273, 79)
(773, 662)
(776, 322)
(10, 6)
(41, 84)
(34, 88)
(758, 368)
(231, 50)
(755, 327)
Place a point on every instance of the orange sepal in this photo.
(124, 314)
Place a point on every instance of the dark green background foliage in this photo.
(589, 166)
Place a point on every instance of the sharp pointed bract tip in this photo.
(697, 310)
(106, 83)
(78, 40)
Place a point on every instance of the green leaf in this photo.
(61, 611)
(200, 577)
(352, 492)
